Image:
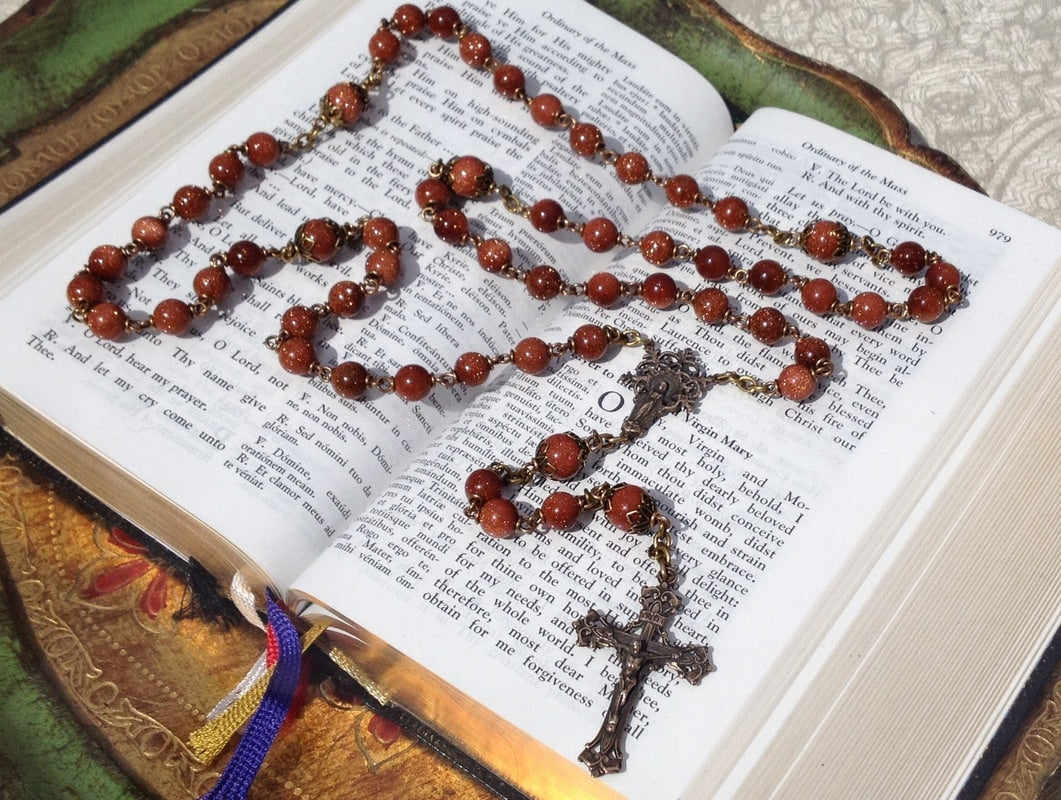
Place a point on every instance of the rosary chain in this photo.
(748, 384)
(661, 548)
(307, 140)
(782, 238)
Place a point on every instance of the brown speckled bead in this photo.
(245, 258)
(657, 247)
(385, 46)
(469, 177)
(443, 21)
(498, 517)
(432, 192)
(494, 254)
(509, 81)
(107, 262)
(106, 320)
(319, 239)
(826, 240)
(483, 484)
(386, 265)
(191, 202)
(546, 215)
(263, 150)
(545, 109)
(226, 169)
(475, 49)
(543, 282)
(710, 305)
(150, 233)
(600, 234)
(767, 276)
(908, 258)
(659, 290)
(379, 232)
(629, 508)
(212, 283)
(632, 168)
(943, 275)
(604, 289)
(300, 321)
(451, 226)
(346, 101)
(811, 351)
(349, 379)
(926, 304)
(589, 342)
(818, 295)
(767, 325)
(682, 191)
(84, 290)
(472, 369)
(585, 138)
(796, 383)
(531, 355)
(712, 262)
(346, 298)
(561, 455)
(296, 356)
(560, 510)
(172, 316)
(413, 382)
(869, 310)
(731, 213)
(409, 19)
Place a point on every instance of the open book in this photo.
(873, 569)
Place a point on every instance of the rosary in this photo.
(663, 383)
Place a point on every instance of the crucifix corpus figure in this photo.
(642, 645)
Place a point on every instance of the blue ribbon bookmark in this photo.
(263, 727)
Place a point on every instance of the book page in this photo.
(780, 509)
(276, 463)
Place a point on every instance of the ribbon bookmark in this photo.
(267, 703)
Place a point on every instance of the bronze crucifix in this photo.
(643, 645)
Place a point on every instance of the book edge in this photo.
(917, 574)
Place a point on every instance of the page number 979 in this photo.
(1000, 235)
